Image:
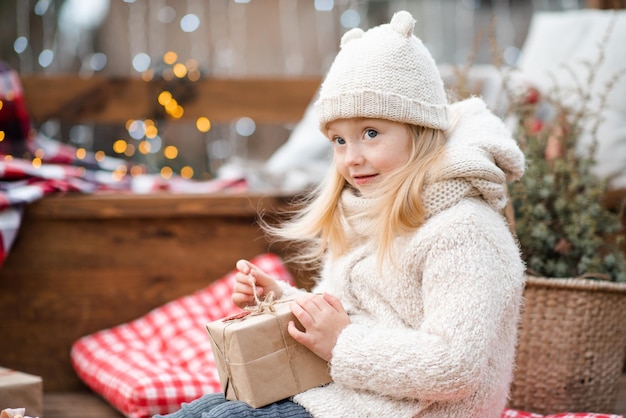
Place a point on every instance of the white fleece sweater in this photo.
(433, 336)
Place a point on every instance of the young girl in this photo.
(416, 306)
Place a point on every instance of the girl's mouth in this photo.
(361, 180)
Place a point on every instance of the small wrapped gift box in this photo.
(257, 360)
(21, 390)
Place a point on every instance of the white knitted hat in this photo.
(384, 73)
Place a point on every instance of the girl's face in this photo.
(367, 150)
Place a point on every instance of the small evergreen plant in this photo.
(562, 225)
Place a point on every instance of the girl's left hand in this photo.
(323, 318)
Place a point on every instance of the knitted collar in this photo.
(354, 208)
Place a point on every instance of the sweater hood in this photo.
(481, 157)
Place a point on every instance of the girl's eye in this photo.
(339, 140)
(371, 133)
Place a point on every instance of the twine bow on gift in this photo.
(265, 305)
(261, 306)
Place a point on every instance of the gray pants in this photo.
(216, 406)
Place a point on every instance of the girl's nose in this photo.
(354, 156)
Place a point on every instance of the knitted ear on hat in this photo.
(384, 73)
(350, 35)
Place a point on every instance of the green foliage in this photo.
(561, 223)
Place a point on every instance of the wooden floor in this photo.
(75, 405)
(64, 405)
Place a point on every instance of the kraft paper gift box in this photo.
(257, 360)
(21, 390)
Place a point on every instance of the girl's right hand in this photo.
(242, 289)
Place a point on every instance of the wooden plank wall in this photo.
(115, 100)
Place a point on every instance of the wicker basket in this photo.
(571, 346)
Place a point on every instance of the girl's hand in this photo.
(323, 318)
(242, 289)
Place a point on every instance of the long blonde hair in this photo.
(398, 209)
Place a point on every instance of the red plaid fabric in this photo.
(154, 363)
(511, 413)
(22, 183)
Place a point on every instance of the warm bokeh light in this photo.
(171, 105)
(186, 172)
(39, 153)
(100, 156)
(2, 136)
(144, 147)
(136, 170)
(170, 57)
(192, 64)
(166, 173)
(119, 146)
(147, 75)
(151, 131)
(170, 152)
(194, 75)
(122, 169)
(36, 162)
(130, 150)
(119, 173)
(164, 97)
(203, 124)
(180, 70)
(81, 153)
(178, 112)
(167, 74)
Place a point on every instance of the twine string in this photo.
(261, 306)
(292, 365)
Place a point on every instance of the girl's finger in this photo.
(244, 266)
(295, 333)
(241, 287)
(312, 303)
(304, 316)
(242, 300)
(246, 287)
(334, 302)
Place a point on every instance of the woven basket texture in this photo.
(570, 353)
